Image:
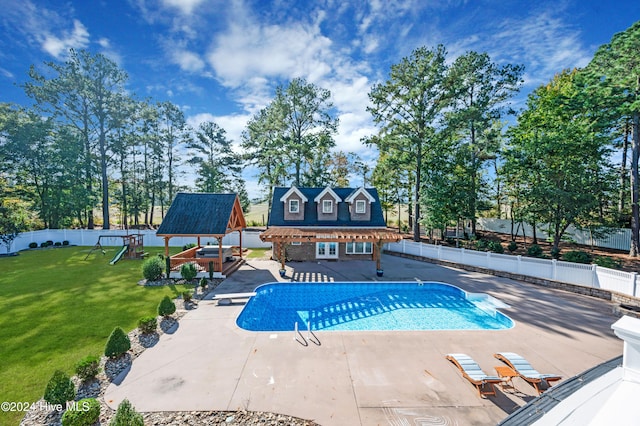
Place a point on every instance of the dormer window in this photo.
(294, 206)
(361, 206)
(327, 206)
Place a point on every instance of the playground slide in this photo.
(119, 255)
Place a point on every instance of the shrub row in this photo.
(49, 243)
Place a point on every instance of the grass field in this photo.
(56, 308)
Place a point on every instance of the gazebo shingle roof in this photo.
(193, 214)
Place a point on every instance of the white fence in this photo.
(572, 273)
(89, 237)
(614, 238)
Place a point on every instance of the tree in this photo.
(84, 92)
(306, 124)
(478, 89)
(408, 106)
(173, 132)
(262, 144)
(558, 157)
(219, 168)
(615, 76)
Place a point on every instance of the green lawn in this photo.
(56, 308)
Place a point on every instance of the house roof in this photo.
(276, 218)
(194, 214)
(293, 190)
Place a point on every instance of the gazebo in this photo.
(204, 215)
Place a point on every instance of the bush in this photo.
(33, 245)
(117, 344)
(65, 243)
(126, 415)
(496, 247)
(148, 324)
(58, 244)
(512, 246)
(188, 271)
(43, 245)
(49, 243)
(85, 413)
(60, 389)
(535, 251)
(555, 253)
(203, 282)
(188, 246)
(482, 245)
(607, 262)
(153, 268)
(577, 256)
(187, 296)
(88, 368)
(166, 307)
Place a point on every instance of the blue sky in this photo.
(221, 60)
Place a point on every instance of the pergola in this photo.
(202, 215)
(279, 237)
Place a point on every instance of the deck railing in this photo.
(201, 263)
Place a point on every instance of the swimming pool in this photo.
(373, 306)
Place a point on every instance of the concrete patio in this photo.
(365, 378)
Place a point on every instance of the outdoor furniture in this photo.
(521, 366)
(506, 374)
(472, 372)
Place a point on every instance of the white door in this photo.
(326, 250)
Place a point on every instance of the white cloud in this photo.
(77, 38)
(184, 6)
(188, 61)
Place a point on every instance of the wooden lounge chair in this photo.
(526, 371)
(472, 372)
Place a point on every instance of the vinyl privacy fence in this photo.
(567, 272)
(89, 237)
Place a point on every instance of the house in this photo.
(204, 215)
(327, 223)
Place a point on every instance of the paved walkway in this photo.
(365, 378)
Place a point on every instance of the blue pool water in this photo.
(369, 306)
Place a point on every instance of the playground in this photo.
(132, 247)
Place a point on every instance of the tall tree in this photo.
(83, 92)
(408, 106)
(218, 166)
(307, 125)
(559, 158)
(478, 89)
(173, 133)
(615, 72)
(262, 144)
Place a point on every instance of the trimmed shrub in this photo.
(49, 242)
(166, 307)
(84, 413)
(65, 243)
(607, 262)
(60, 389)
(88, 368)
(496, 247)
(188, 271)
(58, 244)
(33, 245)
(43, 245)
(577, 256)
(555, 253)
(117, 344)
(482, 245)
(512, 246)
(534, 250)
(188, 246)
(126, 415)
(187, 296)
(153, 268)
(147, 324)
(203, 282)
